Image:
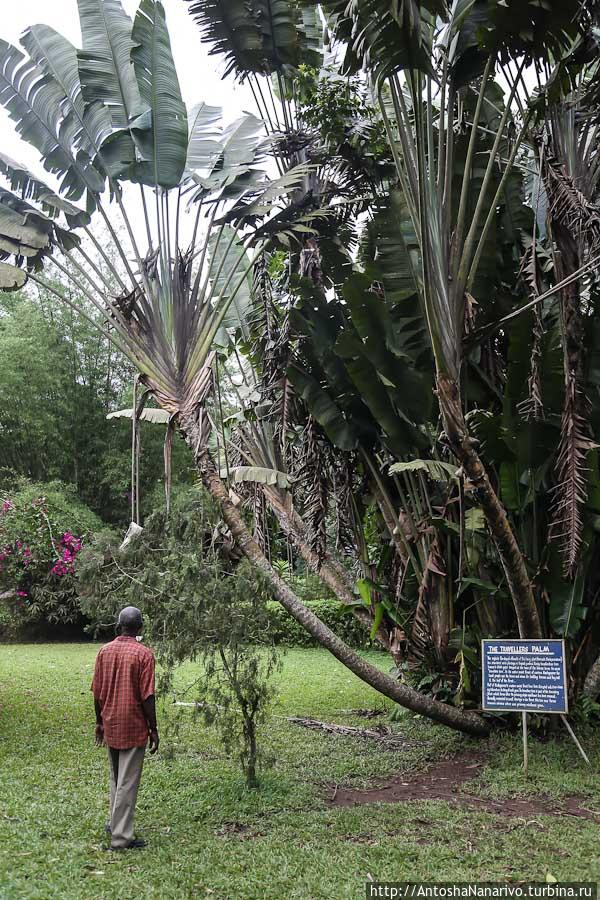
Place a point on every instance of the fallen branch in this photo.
(382, 733)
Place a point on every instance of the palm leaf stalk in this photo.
(110, 115)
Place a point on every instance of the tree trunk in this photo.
(466, 721)
(431, 622)
(328, 569)
(511, 557)
(591, 685)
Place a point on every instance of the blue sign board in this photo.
(524, 676)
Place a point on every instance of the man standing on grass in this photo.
(123, 689)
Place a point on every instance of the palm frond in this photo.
(385, 37)
(30, 187)
(105, 66)
(571, 208)
(433, 468)
(35, 101)
(532, 408)
(571, 491)
(162, 130)
(258, 36)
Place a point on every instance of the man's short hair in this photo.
(130, 618)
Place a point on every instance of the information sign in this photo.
(524, 676)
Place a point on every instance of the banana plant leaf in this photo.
(402, 434)
(148, 414)
(57, 57)
(11, 277)
(204, 142)
(30, 187)
(567, 610)
(259, 475)
(337, 428)
(434, 468)
(105, 67)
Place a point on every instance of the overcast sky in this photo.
(200, 75)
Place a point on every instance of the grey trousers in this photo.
(125, 773)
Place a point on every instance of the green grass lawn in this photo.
(53, 798)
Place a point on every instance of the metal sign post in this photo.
(576, 742)
(525, 748)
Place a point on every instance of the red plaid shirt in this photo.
(123, 679)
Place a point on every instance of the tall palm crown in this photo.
(104, 116)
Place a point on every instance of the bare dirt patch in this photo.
(237, 830)
(445, 781)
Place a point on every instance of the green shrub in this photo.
(338, 617)
(42, 530)
(10, 624)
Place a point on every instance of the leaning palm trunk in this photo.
(513, 564)
(191, 428)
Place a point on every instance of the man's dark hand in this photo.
(99, 734)
(153, 740)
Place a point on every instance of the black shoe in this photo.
(135, 844)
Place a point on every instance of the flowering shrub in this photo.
(42, 531)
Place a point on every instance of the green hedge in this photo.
(334, 614)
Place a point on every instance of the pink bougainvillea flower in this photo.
(6, 506)
(61, 569)
(22, 594)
